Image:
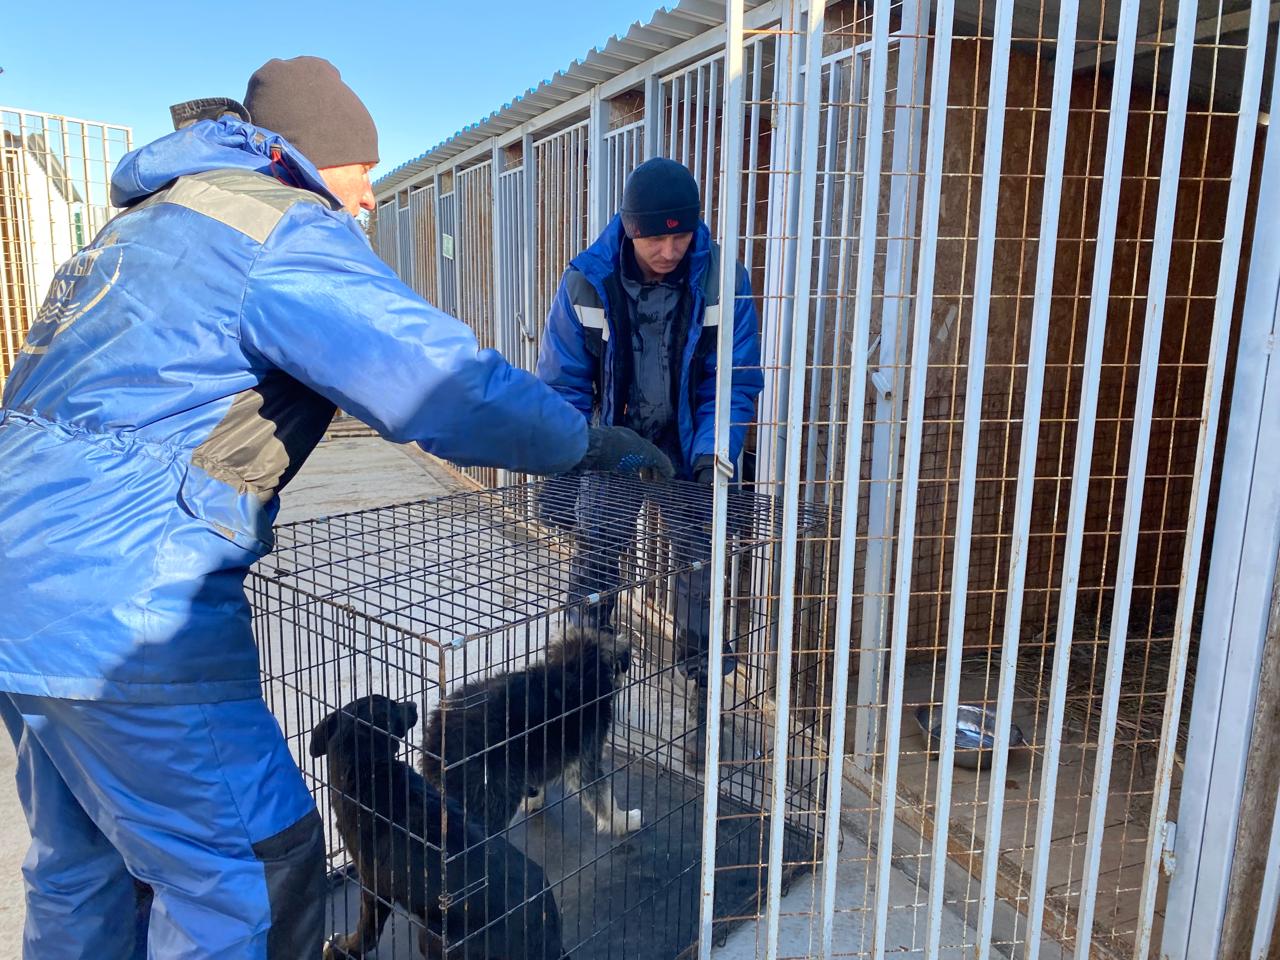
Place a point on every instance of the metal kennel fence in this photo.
(417, 600)
(55, 176)
(1016, 276)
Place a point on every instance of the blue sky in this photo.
(424, 69)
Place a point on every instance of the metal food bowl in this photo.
(975, 733)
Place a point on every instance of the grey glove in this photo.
(622, 450)
(704, 470)
(556, 501)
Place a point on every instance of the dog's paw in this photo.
(333, 950)
(621, 822)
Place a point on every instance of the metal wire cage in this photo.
(464, 598)
(1015, 306)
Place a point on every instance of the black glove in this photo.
(704, 470)
(556, 500)
(622, 450)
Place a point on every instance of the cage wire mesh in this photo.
(55, 175)
(1149, 665)
(957, 238)
(466, 595)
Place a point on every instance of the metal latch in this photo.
(447, 900)
(1168, 862)
(882, 380)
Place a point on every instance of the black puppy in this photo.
(413, 849)
(496, 743)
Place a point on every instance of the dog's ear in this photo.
(321, 734)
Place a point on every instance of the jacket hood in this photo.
(212, 145)
(605, 255)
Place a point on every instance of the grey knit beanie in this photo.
(305, 101)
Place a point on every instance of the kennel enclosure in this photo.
(1016, 282)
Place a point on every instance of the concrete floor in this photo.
(344, 474)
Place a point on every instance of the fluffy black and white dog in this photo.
(496, 743)
(469, 889)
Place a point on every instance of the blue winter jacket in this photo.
(589, 316)
(182, 367)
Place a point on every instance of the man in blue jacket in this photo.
(182, 367)
(631, 340)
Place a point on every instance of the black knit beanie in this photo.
(661, 197)
(305, 101)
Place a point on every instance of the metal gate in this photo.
(999, 256)
(55, 175)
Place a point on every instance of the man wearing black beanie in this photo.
(631, 340)
(182, 368)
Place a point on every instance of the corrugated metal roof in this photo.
(668, 27)
(671, 26)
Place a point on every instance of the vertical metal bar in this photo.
(1136, 481)
(569, 171)
(1166, 206)
(701, 119)
(87, 230)
(530, 248)
(825, 229)
(753, 147)
(959, 593)
(863, 294)
(887, 433)
(1269, 896)
(686, 118)
(46, 123)
(500, 314)
(930, 217)
(780, 251)
(1106, 231)
(612, 170)
(1236, 595)
(653, 115)
(437, 201)
(731, 183)
(709, 163)
(674, 119)
(597, 165)
(1046, 246)
(781, 210)
(870, 659)
(868, 230)
(621, 156)
(814, 30)
(461, 269)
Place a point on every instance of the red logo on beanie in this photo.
(672, 224)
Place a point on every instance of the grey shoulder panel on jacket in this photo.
(711, 277)
(248, 202)
(581, 291)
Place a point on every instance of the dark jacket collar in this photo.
(604, 257)
(213, 145)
